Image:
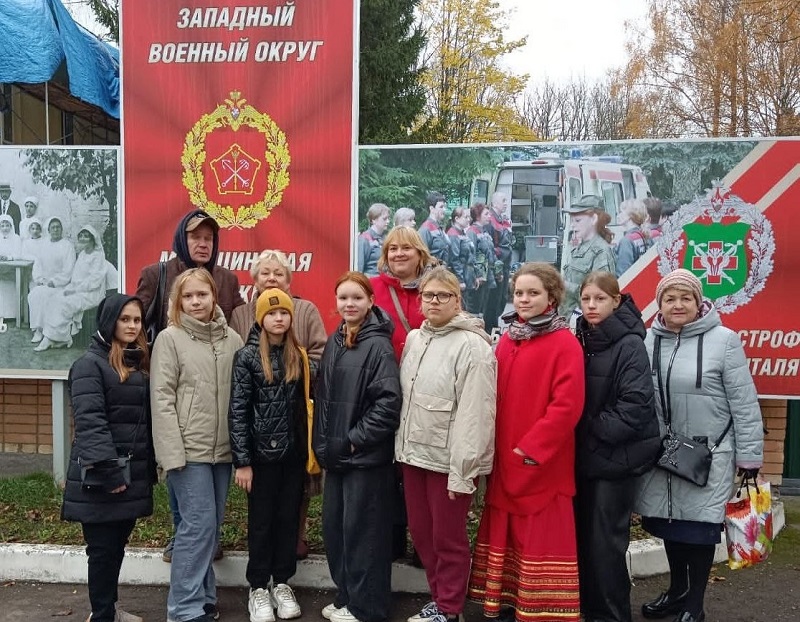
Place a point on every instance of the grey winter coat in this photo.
(726, 390)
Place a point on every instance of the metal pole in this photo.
(61, 440)
(47, 112)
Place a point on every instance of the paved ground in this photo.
(766, 593)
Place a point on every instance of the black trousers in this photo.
(105, 547)
(496, 301)
(356, 516)
(273, 518)
(602, 522)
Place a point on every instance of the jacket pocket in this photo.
(184, 406)
(430, 423)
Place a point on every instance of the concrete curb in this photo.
(67, 564)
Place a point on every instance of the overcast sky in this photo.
(570, 37)
(566, 38)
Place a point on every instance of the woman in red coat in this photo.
(403, 259)
(525, 562)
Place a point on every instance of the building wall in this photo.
(26, 423)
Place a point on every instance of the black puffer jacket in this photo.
(266, 420)
(112, 418)
(358, 398)
(618, 433)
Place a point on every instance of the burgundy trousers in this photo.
(438, 527)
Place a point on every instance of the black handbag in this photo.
(681, 456)
(152, 317)
(95, 476)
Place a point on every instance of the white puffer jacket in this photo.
(449, 381)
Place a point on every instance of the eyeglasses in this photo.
(441, 297)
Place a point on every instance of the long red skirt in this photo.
(528, 562)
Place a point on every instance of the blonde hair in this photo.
(636, 209)
(404, 235)
(376, 210)
(272, 255)
(443, 276)
(175, 294)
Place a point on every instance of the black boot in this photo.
(665, 605)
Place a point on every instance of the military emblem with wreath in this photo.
(726, 242)
(235, 170)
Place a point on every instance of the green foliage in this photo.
(402, 177)
(470, 97)
(390, 95)
(89, 173)
(107, 14)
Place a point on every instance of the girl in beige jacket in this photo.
(190, 391)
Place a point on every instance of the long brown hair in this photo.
(362, 281)
(604, 280)
(116, 357)
(601, 226)
(292, 359)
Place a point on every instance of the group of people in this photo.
(565, 427)
(66, 279)
(592, 247)
(475, 246)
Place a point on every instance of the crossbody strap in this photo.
(399, 309)
(666, 405)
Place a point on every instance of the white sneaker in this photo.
(327, 610)
(259, 605)
(428, 611)
(124, 616)
(284, 601)
(343, 615)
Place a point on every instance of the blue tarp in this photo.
(37, 35)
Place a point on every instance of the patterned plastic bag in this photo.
(748, 524)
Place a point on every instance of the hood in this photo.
(98, 241)
(709, 318)
(462, 321)
(108, 311)
(626, 320)
(181, 248)
(376, 324)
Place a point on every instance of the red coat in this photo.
(409, 303)
(540, 390)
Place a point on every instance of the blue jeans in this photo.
(201, 490)
(173, 508)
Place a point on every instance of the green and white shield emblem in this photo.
(717, 254)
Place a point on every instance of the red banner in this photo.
(739, 239)
(245, 111)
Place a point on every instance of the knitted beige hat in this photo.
(681, 279)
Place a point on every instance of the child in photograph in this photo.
(269, 441)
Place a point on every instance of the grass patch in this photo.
(30, 512)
